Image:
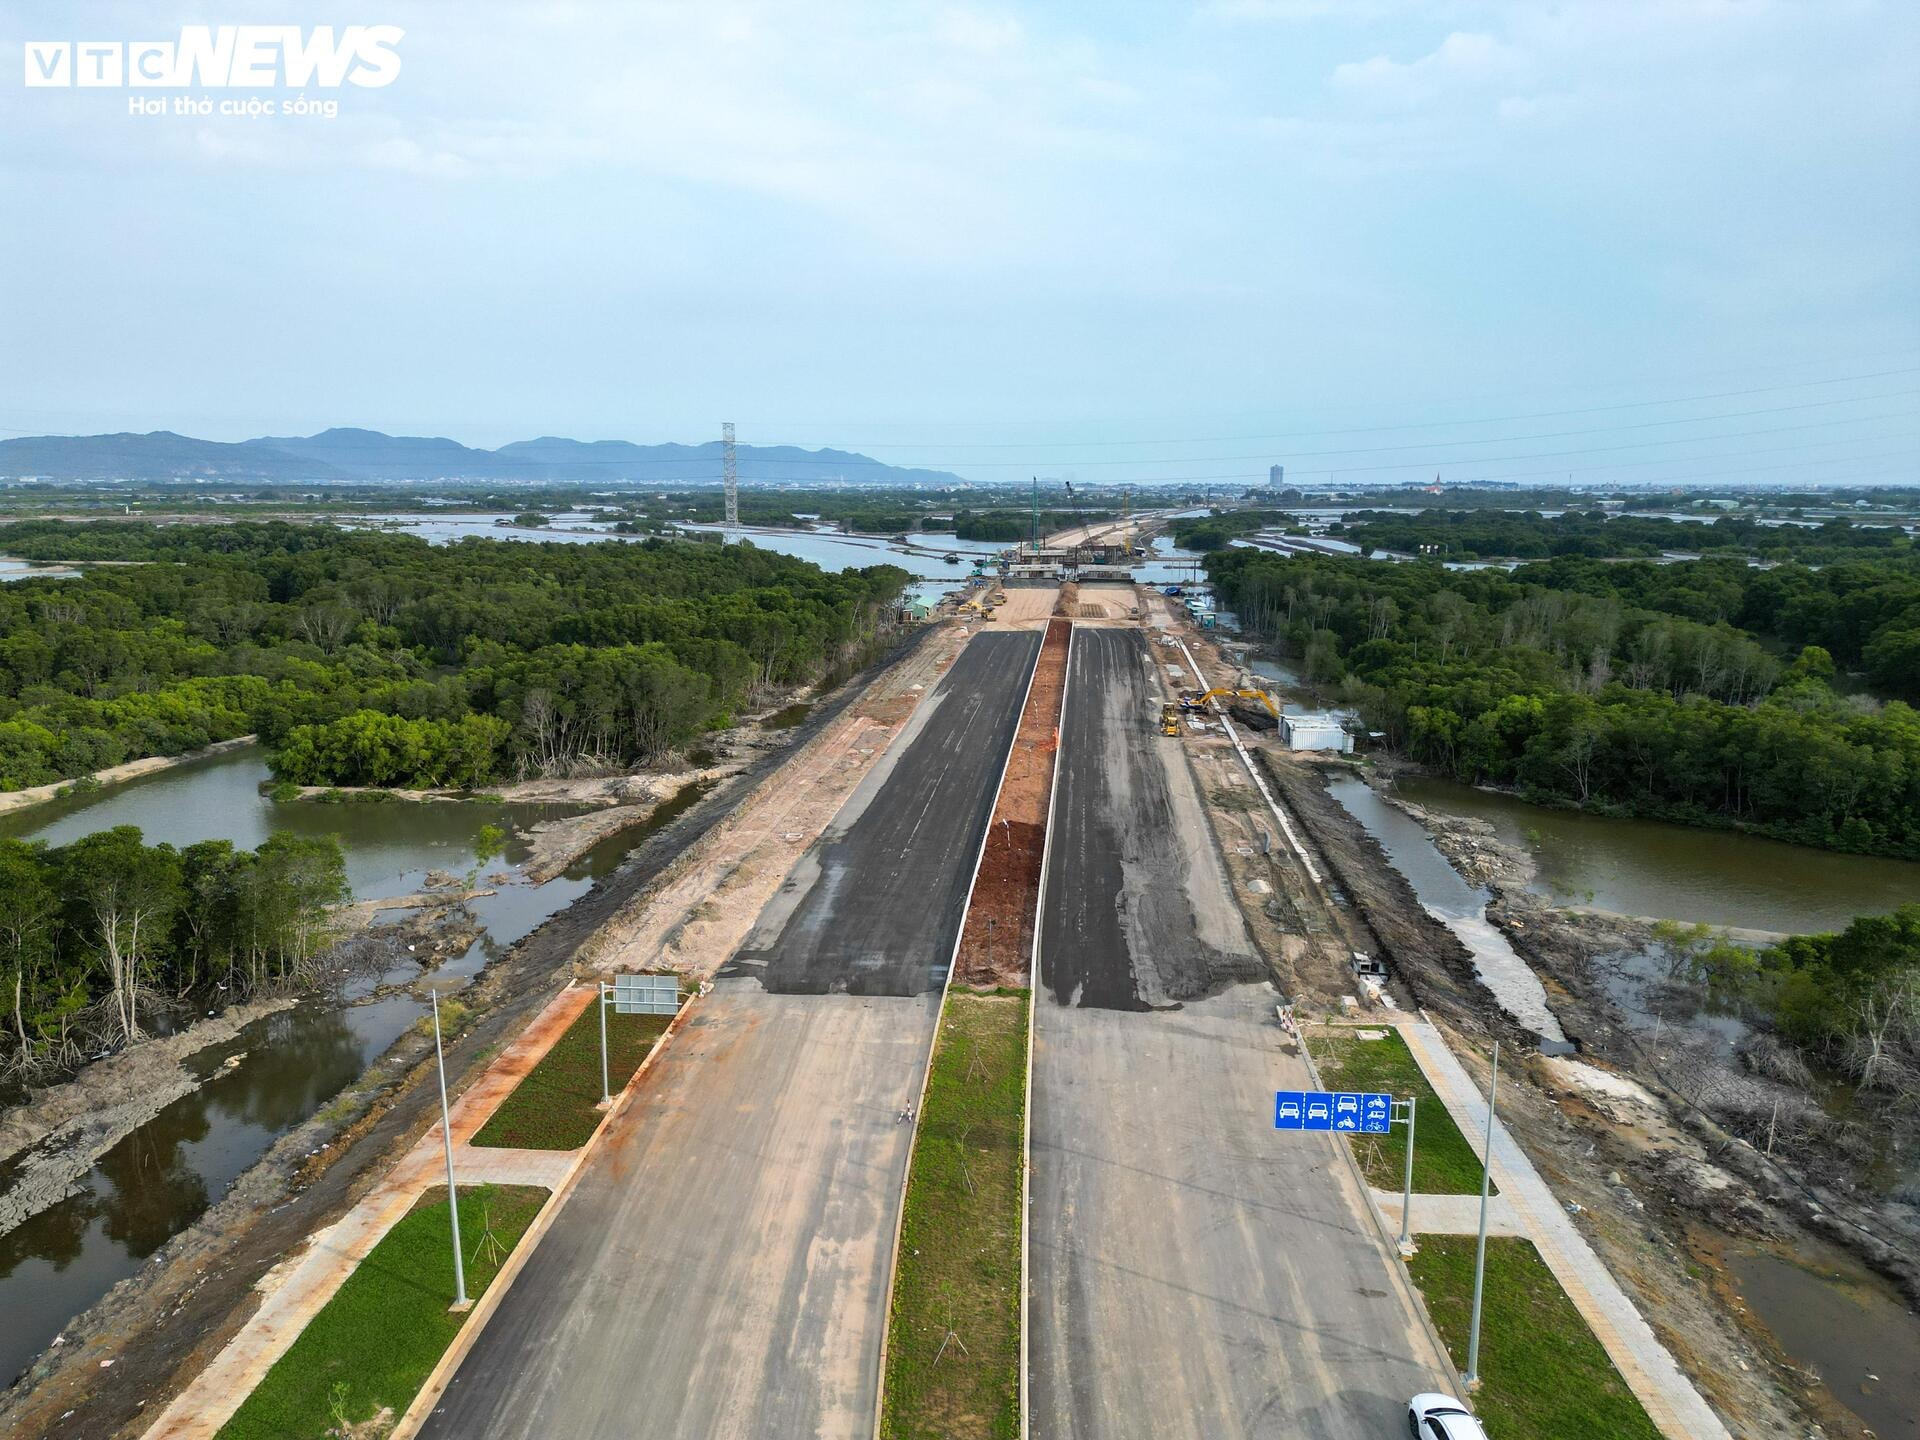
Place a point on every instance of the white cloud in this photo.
(1463, 60)
(978, 31)
(1295, 10)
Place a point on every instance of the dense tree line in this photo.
(1528, 535)
(94, 933)
(1219, 529)
(1016, 522)
(1594, 685)
(358, 654)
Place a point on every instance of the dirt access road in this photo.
(720, 1271)
(1190, 1267)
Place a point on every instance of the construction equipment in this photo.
(1169, 720)
(1197, 699)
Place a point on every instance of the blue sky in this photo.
(1108, 240)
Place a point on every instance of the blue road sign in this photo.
(1345, 1111)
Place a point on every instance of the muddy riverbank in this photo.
(51, 1140)
(1420, 952)
(116, 774)
(1726, 1140)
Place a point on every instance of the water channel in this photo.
(168, 1172)
(1676, 872)
(1827, 1312)
(1461, 907)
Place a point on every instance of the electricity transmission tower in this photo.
(730, 478)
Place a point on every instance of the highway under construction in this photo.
(1018, 816)
(723, 1267)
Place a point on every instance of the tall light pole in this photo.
(460, 1301)
(1480, 1253)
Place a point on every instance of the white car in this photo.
(1441, 1417)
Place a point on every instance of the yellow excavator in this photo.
(1197, 699)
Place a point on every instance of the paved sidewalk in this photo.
(1450, 1214)
(1643, 1362)
(297, 1290)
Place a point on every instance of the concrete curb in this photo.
(435, 1385)
(1026, 1111)
(926, 1074)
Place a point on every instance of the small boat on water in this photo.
(951, 559)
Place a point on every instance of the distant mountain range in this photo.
(346, 456)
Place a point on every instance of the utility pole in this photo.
(730, 478)
(1480, 1252)
(460, 1301)
(1036, 516)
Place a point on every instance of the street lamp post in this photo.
(1480, 1252)
(460, 1301)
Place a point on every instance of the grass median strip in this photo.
(554, 1105)
(372, 1346)
(1545, 1376)
(1444, 1163)
(953, 1335)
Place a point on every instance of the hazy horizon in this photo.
(1622, 241)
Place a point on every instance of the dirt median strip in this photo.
(996, 944)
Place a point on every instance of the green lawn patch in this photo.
(953, 1331)
(1544, 1376)
(553, 1106)
(1443, 1162)
(374, 1343)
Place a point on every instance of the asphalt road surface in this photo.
(874, 906)
(1138, 912)
(720, 1270)
(1194, 1272)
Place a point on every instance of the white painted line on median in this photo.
(1033, 998)
(1286, 826)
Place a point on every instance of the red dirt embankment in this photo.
(997, 942)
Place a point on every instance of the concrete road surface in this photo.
(1194, 1272)
(719, 1272)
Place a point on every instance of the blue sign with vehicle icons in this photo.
(1342, 1111)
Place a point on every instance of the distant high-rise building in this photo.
(1276, 476)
